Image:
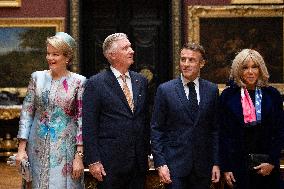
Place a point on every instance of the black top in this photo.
(253, 134)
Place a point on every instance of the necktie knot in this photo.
(123, 77)
(191, 85)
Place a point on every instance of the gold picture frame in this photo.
(256, 1)
(227, 21)
(25, 29)
(10, 3)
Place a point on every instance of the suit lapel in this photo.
(203, 99)
(135, 89)
(182, 96)
(113, 83)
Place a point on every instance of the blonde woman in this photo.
(50, 123)
(252, 128)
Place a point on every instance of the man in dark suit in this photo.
(184, 134)
(115, 129)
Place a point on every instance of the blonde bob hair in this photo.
(241, 60)
(62, 46)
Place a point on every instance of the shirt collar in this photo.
(117, 74)
(186, 81)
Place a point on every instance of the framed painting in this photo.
(256, 1)
(224, 31)
(23, 49)
(10, 3)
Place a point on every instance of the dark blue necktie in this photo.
(192, 98)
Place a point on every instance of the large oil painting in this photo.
(224, 31)
(23, 48)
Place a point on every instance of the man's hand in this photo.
(97, 170)
(215, 174)
(164, 174)
(264, 169)
(230, 179)
(78, 167)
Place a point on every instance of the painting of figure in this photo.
(224, 37)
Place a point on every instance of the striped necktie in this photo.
(127, 93)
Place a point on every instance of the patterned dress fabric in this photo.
(51, 122)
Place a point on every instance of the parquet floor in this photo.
(9, 177)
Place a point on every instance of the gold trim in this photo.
(56, 22)
(21, 91)
(256, 1)
(74, 31)
(176, 33)
(194, 13)
(10, 112)
(10, 3)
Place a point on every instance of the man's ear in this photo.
(112, 55)
(202, 63)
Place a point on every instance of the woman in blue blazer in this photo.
(251, 122)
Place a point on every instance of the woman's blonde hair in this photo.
(62, 46)
(241, 59)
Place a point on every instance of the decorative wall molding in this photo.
(10, 3)
(176, 31)
(256, 1)
(74, 31)
(176, 35)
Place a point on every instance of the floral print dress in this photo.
(51, 122)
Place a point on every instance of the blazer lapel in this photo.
(182, 96)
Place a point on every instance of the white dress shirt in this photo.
(186, 89)
(117, 74)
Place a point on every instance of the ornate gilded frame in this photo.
(194, 13)
(176, 31)
(57, 23)
(256, 1)
(10, 3)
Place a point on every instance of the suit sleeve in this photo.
(28, 110)
(215, 130)
(225, 135)
(157, 123)
(90, 122)
(278, 129)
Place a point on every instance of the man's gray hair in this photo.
(109, 45)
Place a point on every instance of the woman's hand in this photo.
(230, 179)
(78, 167)
(164, 174)
(264, 169)
(21, 155)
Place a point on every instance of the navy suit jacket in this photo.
(113, 134)
(232, 145)
(176, 140)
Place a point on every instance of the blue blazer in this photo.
(113, 134)
(176, 140)
(232, 145)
